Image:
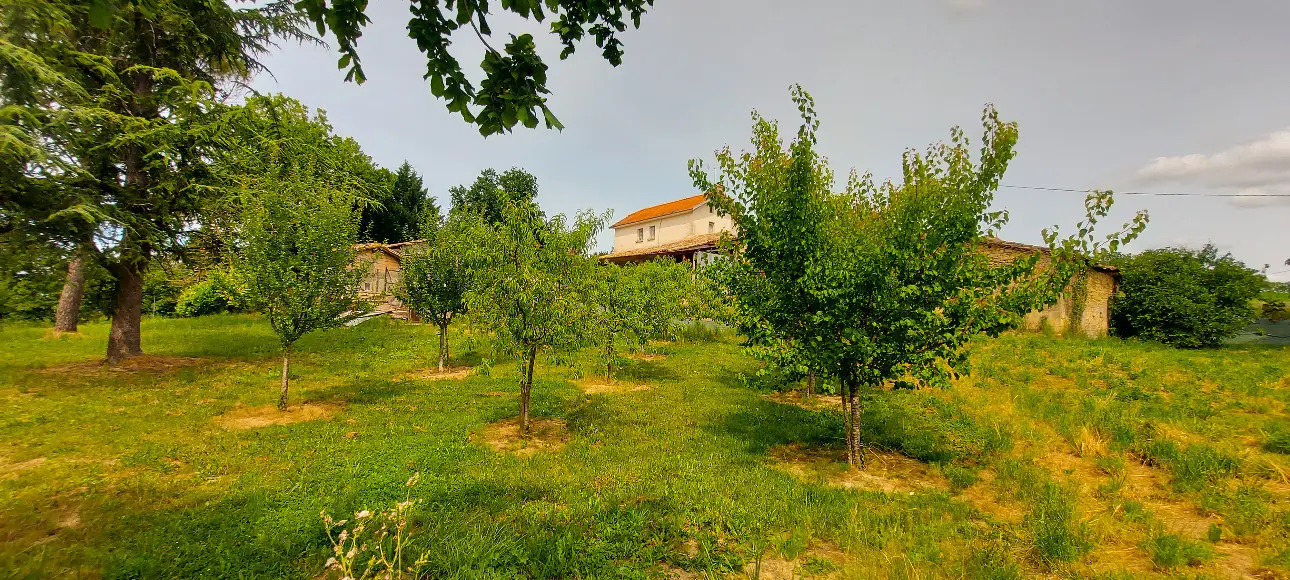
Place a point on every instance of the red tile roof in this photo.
(661, 210)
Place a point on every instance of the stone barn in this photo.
(1102, 284)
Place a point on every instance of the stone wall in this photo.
(1101, 285)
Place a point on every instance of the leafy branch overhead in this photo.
(514, 86)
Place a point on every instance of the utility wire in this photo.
(1117, 192)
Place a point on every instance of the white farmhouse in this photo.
(685, 229)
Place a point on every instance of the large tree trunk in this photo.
(443, 345)
(124, 337)
(526, 387)
(286, 381)
(69, 302)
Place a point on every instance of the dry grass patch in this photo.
(812, 403)
(433, 374)
(593, 387)
(503, 436)
(142, 363)
(256, 417)
(884, 471)
(8, 469)
(644, 356)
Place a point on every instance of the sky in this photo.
(1155, 96)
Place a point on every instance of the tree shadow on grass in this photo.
(639, 371)
(763, 424)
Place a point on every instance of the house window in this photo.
(651, 232)
(709, 209)
(640, 234)
(367, 286)
(712, 227)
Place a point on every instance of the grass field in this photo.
(1067, 458)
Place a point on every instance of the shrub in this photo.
(160, 292)
(1184, 298)
(1171, 551)
(210, 296)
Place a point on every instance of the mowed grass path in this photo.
(1064, 458)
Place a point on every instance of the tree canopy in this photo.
(875, 283)
(114, 107)
(514, 89)
(436, 278)
(397, 216)
(294, 188)
(536, 284)
(491, 194)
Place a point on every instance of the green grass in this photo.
(128, 474)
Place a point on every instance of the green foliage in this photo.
(294, 189)
(960, 477)
(1184, 298)
(538, 279)
(490, 194)
(992, 563)
(632, 304)
(883, 282)
(216, 294)
(514, 86)
(436, 277)
(399, 215)
(296, 259)
(1058, 535)
(31, 277)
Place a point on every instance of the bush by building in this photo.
(1184, 298)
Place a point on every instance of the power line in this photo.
(1117, 192)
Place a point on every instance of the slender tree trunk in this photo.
(286, 381)
(810, 384)
(443, 345)
(124, 338)
(526, 387)
(609, 363)
(857, 449)
(69, 302)
(844, 391)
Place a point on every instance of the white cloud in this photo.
(1255, 170)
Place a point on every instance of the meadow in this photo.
(1052, 457)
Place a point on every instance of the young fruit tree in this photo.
(536, 288)
(436, 278)
(632, 304)
(881, 283)
(296, 264)
(295, 191)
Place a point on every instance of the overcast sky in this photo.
(1154, 96)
